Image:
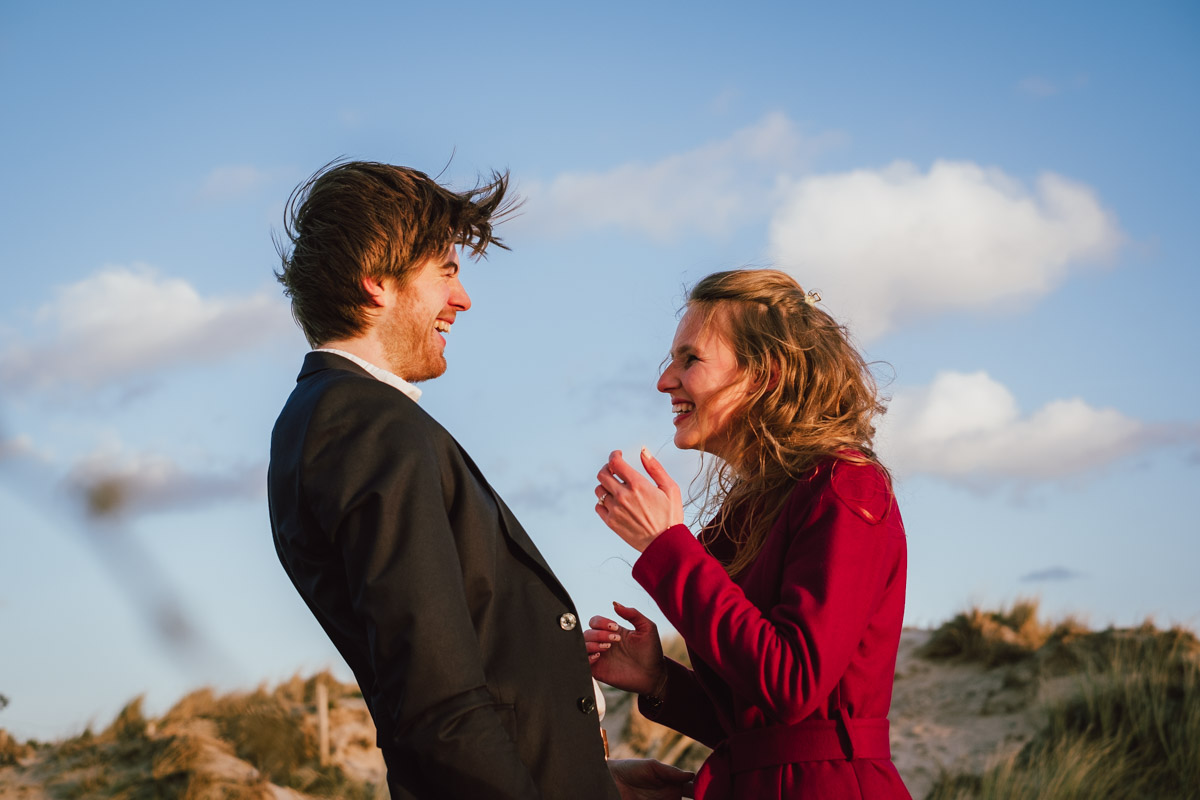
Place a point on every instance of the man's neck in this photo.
(368, 348)
(375, 366)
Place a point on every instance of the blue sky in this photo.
(1000, 202)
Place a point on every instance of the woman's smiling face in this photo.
(706, 385)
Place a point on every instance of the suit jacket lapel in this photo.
(513, 530)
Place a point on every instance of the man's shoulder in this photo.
(346, 402)
(328, 380)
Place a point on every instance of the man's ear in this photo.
(375, 289)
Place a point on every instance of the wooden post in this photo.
(322, 722)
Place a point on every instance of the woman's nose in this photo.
(667, 381)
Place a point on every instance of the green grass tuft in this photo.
(1131, 728)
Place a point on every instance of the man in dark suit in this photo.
(467, 649)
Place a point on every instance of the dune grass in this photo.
(231, 746)
(1129, 729)
(12, 751)
(275, 732)
(1004, 636)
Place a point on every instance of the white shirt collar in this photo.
(379, 373)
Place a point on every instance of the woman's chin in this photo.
(685, 442)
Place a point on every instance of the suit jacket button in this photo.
(568, 621)
(587, 704)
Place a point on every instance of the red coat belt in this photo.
(810, 740)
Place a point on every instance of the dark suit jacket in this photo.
(466, 647)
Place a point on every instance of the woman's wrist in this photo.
(652, 701)
(658, 682)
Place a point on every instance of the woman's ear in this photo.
(772, 376)
(769, 381)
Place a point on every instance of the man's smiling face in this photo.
(422, 311)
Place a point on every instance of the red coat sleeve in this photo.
(686, 707)
(785, 659)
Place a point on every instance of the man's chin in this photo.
(430, 371)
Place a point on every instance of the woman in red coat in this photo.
(791, 601)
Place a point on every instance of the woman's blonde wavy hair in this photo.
(812, 398)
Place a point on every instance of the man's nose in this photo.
(459, 298)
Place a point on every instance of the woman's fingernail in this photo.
(614, 637)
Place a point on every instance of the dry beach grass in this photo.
(993, 704)
(239, 746)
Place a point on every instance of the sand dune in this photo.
(949, 716)
(954, 716)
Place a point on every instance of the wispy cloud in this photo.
(725, 99)
(16, 447)
(707, 191)
(1039, 86)
(124, 321)
(887, 246)
(966, 427)
(114, 483)
(548, 494)
(351, 117)
(1051, 574)
(628, 391)
(232, 181)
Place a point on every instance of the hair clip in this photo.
(812, 298)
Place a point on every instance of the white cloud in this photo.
(967, 427)
(126, 320)
(887, 246)
(112, 482)
(709, 190)
(231, 182)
